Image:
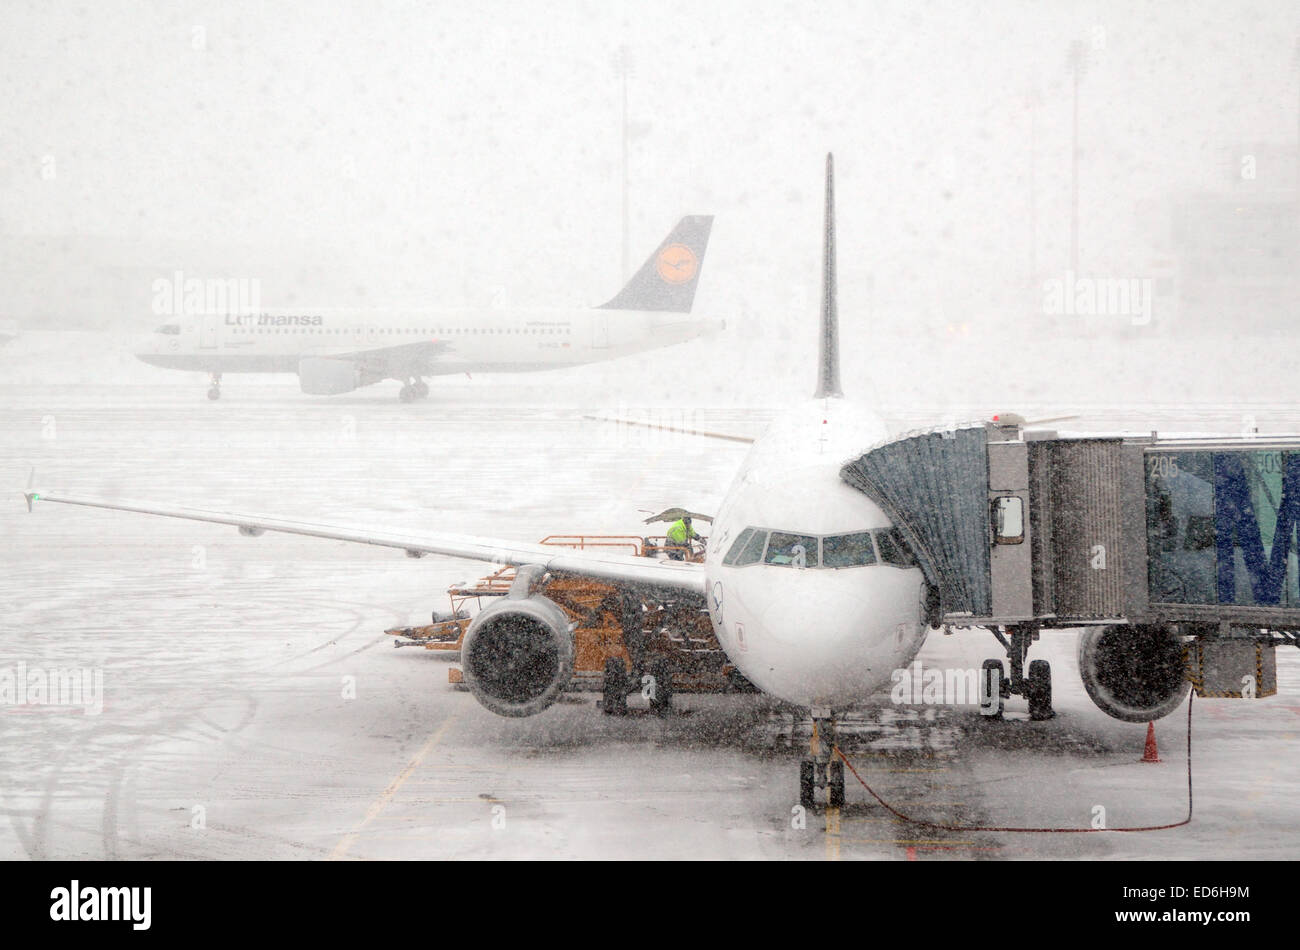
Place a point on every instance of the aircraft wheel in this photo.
(406, 393)
(614, 700)
(421, 389)
(835, 784)
(807, 784)
(214, 393)
(1040, 691)
(992, 672)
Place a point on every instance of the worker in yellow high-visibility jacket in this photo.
(680, 536)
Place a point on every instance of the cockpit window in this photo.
(738, 546)
(848, 550)
(795, 550)
(788, 549)
(752, 552)
(171, 329)
(893, 550)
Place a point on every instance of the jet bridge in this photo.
(1014, 526)
(1019, 530)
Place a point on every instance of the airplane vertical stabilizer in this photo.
(666, 281)
(828, 366)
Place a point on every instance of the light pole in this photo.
(1077, 59)
(623, 60)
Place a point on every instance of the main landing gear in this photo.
(412, 389)
(1035, 684)
(657, 686)
(214, 391)
(822, 769)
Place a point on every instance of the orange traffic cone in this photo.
(1150, 753)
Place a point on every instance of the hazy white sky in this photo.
(464, 147)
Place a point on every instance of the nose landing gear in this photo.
(214, 391)
(822, 769)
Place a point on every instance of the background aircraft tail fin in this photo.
(667, 280)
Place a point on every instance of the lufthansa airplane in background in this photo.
(336, 352)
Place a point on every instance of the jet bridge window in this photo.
(848, 550)
(792, 550)
(169, 329)
(1008, 514)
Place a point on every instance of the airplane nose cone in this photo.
(146, 347)
(834, 644)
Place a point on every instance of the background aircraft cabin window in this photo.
(893, 550)
(752, 553)
(848, 550)
(791, 550)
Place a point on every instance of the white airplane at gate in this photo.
(810, 590)
(335, 352)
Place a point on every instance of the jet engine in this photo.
(319, 376)
(1133, 673)
(517, 654)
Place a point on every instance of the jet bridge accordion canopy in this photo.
(934, 487)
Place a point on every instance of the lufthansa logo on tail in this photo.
(677, 264)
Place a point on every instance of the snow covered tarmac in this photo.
(253, 708)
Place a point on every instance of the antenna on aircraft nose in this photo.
(828, 369)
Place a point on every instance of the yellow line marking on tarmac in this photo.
(378, 805)
(832, 833)
(915, 841)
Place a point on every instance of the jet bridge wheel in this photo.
(991, 672)
(1039, 691)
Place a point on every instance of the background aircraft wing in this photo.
(403, 359)
(615, 568)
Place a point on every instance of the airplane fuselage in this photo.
(457, 341)
(810, 595)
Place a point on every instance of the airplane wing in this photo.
(615, 568)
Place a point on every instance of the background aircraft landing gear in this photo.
(413, 389)
(214, 391)
(1035, 686)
